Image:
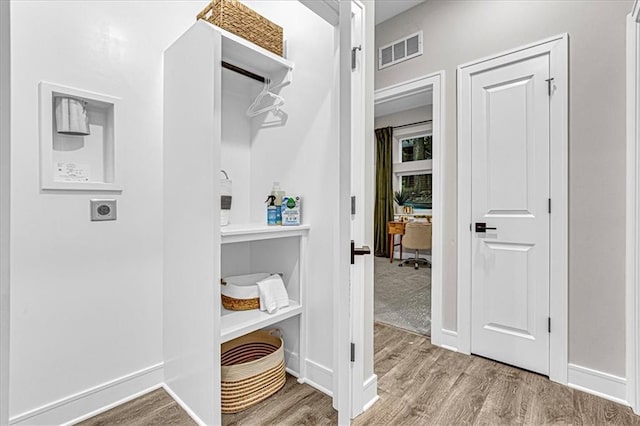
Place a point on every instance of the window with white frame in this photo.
(412, 166)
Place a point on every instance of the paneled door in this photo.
(510, 202)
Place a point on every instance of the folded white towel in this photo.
(273, 294)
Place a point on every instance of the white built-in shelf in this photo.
(243, 53)
(259, 231)
(238, 323)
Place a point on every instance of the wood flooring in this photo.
(418, 384)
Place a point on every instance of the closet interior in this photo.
(212, 77)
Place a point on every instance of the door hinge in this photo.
(549, 324)
(353, 204)
(549, 80)
(549, 206)
(353, 56)
(353, 352)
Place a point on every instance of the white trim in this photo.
(430, 84)
(632, 261)
(113, 405)
(370, 392)
(597, 383)
(47, 182)
(400, 90)
(183, 405)
(418, 167)
(448, 340)
(557, 48)
(318, 376)
(93, 400)
(5, 207)
(416, 130)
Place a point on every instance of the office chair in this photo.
(417, 236)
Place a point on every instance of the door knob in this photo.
(482, 227)
(358, 251)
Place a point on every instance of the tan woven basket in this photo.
(235, 17)
(234, 304)
(252, 370)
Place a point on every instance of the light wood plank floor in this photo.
(418, 384)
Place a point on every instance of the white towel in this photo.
(273, 295)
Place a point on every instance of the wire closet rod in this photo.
(244, 72)
(412, 124)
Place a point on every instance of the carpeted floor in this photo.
(402, 296)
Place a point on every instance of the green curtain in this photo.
(383, 212)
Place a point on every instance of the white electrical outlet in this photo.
(103, 210)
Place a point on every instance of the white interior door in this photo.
(348, 358)
(509, 115)
(358, 191)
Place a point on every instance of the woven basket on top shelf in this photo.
(252, 370)
(235, 17)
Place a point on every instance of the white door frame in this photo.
(557, 47)
(632, 273)
(5, 188)
(433, 83)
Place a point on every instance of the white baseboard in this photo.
(93, 401)
(319, 377)
(184, 406)
(292, 363)
(446, 339)
(597, 383)
(370, 392)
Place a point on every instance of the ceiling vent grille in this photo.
(400, 50)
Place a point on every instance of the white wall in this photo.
(87, 297)
(235, 157)
(456, 32)
(303, 157)
(5, 169)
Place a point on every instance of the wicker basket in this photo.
(233, 304)
(233, 16)
(245, 296)
(252, 370)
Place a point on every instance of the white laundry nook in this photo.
(212, 121)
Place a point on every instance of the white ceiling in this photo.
(386, 9)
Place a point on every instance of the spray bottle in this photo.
(272, 210)
(278, 193)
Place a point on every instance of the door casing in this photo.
(429, 85)
(5, 188)
(557, 47)
(632, 270)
